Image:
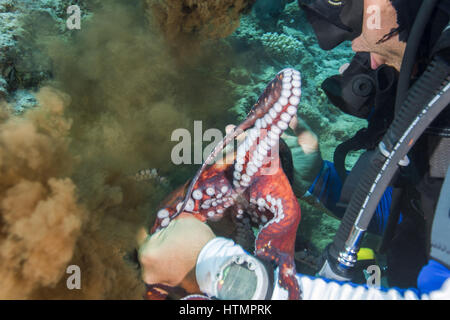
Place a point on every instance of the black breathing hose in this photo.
(409, 58)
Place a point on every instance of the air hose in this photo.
(410, 55)
(429, 95)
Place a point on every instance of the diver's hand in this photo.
(306, 157)
(169, 256)
(306, 139)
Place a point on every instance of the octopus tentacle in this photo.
(276, 238)
(282, 96)
(264, 136)
(247, 188)
(212, 196)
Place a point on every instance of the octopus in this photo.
(250, 187)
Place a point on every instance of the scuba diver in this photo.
(398, 81)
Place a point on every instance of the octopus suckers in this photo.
(291, 110)
(210, 191)
(205, 206)
(197, 194)
(285, 93)
(165, 222)
(282, 125)
(163, 213)
(244, 184)
(263, 123)
(294, 100)
(278, 107)
(276, 131)
(285, 117)
(261, 202)
(287, 80)
(283, 101)
(273, 113)
(190, 205)
(287, 86)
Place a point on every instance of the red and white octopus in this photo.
(251, 187)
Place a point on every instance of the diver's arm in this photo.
(168, 257)
(327, 187)
(306, 158)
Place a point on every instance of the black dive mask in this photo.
(359, 89)
(334, 21)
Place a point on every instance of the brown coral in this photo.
(202, 19)
(40, 218)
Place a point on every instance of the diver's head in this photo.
(380, 34)
(380, 27)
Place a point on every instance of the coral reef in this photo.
(283, 46)
(25, 26)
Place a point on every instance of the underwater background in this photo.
(83, 110)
